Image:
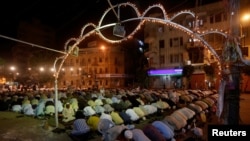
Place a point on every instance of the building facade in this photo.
(171, 48)
(95, 66)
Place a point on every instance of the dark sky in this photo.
(66, 15)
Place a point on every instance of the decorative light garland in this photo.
(165, 20)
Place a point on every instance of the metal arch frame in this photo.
(165, 20)
(143, 18)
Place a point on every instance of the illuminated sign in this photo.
(165, 72)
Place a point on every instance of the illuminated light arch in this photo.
(166, 20)
(87, 25)
(182, 12)
(156, 6)
(214, 32)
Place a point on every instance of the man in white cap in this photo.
(68, 113)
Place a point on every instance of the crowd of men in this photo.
(113, 113)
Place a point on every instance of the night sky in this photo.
(66, 15)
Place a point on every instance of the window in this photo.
(181, 41)
(176, 58)
(85, 70)
(78, 71)
(116, 61)
(100, 70)
(106, 59)
(116, 70)
(218, 17)
(171, 42)
(161, 43)
(181, 57)
(211, 19)
(244, 51)
(106, 70)
(90, 70)
(211, 56)
(171, 58)
(95, 69)
(162, 59)
(224, 16)
(176, 42)
(196, 55)
(170, 28)
(95, 60)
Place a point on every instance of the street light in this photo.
(13, 69)
(103, 48)
(106, 63)
(52, 69)
(244, 19)
(41, 69)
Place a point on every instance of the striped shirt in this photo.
(80, 127)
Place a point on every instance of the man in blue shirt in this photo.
(81, 130)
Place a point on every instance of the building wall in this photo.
(245, 83)
(245, 26)
(94, 68)
(177, 48)
(198, 81)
